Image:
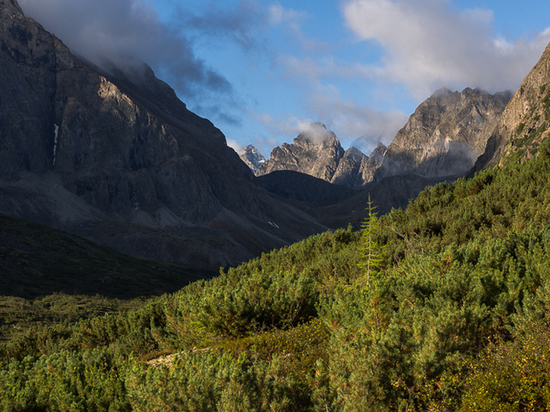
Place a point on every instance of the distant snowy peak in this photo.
(252, 158)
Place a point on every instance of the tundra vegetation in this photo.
(452, 315)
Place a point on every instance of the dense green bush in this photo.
(64, 381)
(453, 317)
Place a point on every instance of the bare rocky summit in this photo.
(252, 158)
(445, 135)
(316, 152)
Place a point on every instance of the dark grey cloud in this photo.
(241, 24)
(128, 33)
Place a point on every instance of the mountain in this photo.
(116, 157)
(316, 152)
(442, 139)
(445, 135)
(252, 158)
(37, 260)
(524, 123)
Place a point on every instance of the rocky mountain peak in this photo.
(316, 152)
(252, 158)
(445, 135)
(525, 122)
(442, 138)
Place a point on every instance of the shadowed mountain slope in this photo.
(105, 153)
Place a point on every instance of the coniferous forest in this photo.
(444, 306)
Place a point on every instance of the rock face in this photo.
(443, 138)
(315, 153)
(445, 135)
(252, 158)
(525, 122)
(81, 147)
(371, 166)
(349, 168)
(318, 153)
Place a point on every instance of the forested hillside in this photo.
(450, 314)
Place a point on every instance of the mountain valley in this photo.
(145, 266)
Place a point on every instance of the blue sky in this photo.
(263, 70)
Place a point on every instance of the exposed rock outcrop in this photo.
(316, 153)
(349, 168)
(117, 157)
(371, 165)
(525, 122)
(445, 135)
(252, 158)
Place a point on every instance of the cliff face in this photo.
(525, 122)
(79, 145)
(252, 158)
(445, 135)
(316, 153)
(117, 151)
(443, 138)
(349, 168)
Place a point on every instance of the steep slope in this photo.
(442, 139)
(445, 135)
(350, 165)
(525, 122)
(370, 165)
(315, 153)
(252, 158)
(83, 148)
(36, 260)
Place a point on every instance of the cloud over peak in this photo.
(127, 32)
(430, 43)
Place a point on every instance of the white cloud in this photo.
(235, 146)
(429, 43)
(354, 124)
(360, 125)
(278, 14)
(291, 20)
(328, 66)
(314, 130)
